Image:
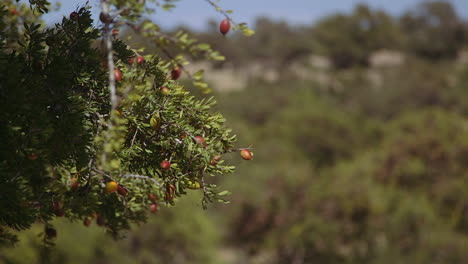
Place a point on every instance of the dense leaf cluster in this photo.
(63, 145)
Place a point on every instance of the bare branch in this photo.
(103, 173)
(134, 137)
(219, 9)
(142, 177)
(105, 9)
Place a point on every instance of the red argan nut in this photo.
(117, 75)
(115, 32)
(200, 140)
(140, 59)
(105, 18)
(74, 16)
(170, 192)
(165, 165)
(215, 160)
(154, 208)
(152, 197)
(224, 26)
(122, 190)
(175, 73)
(246, 154)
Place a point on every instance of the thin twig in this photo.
(105, 9)
(103, 173)
(110, 56)
(219, 9)
(134, 137)
(168, 54)
(234, 150)
(142, 177)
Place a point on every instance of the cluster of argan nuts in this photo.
(176, 72)
(117, 72)
(100, 221)
(153, 206)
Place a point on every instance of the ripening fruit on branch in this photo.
(87, 221)
(215, 160)
(224, 26)
(75, 184)
(170, 192)
(154, 208)
(152, 197)
(111, 187)
(14, 12)
(155, 122)
(32, 156)
(246, 154)
(131, 61)
(164, 90)
(117, 75)
(165, 165)
(115, 32)
(105, 18)
(50, 233)
(140, 60)
(74, 15)
(176, 72)
(194, 185)
(122, 190)
(200, 140)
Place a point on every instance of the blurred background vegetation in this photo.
(359, 124)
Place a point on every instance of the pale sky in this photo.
(195, 13)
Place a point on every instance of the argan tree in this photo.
(93, 129)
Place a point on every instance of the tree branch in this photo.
(142, 177)
(219, 9)
(110, 56)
